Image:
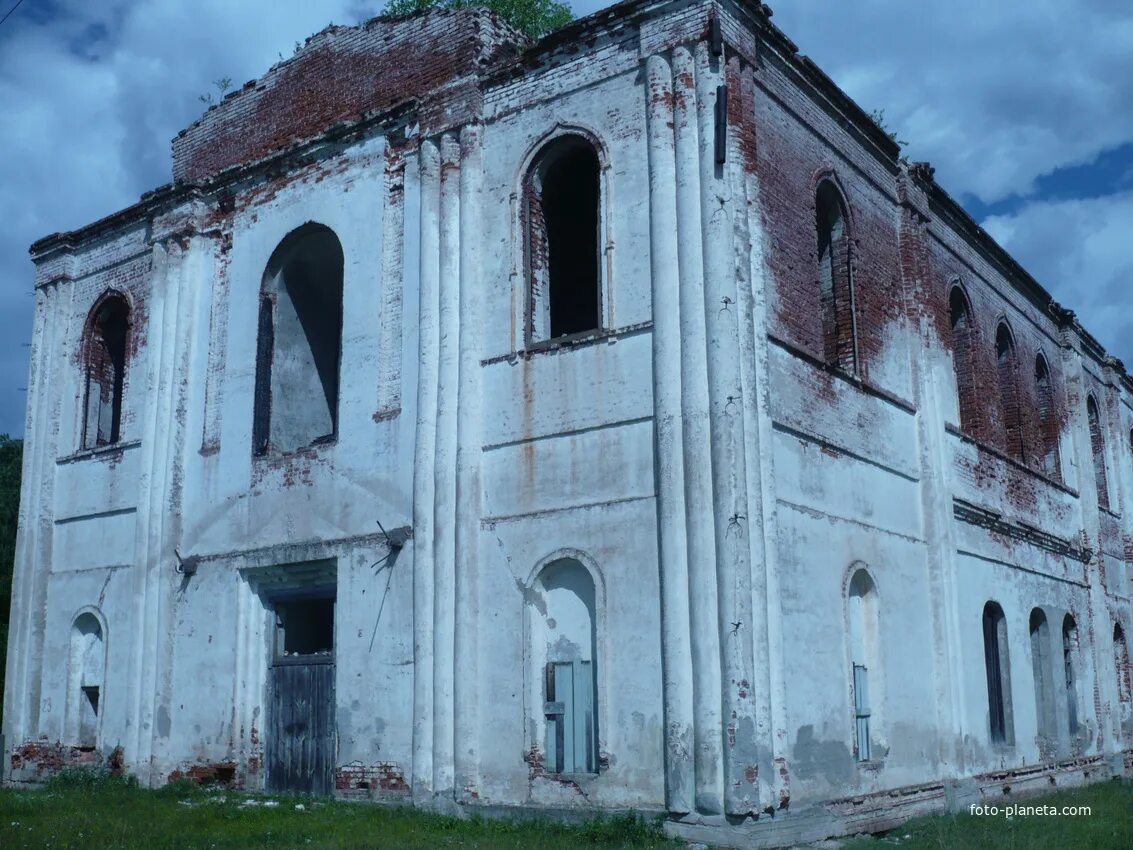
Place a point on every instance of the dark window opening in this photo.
(305, 627)
(562, 209)
(1048, 423)
(835, 283)
(88, 715)
(107, 338)
(1097, 446)
(998, 681)
(963, 346)
(1009, 393)
(1069, 647)
(299, 345)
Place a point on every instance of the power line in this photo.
(10, 11)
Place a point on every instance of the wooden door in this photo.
(302, 736)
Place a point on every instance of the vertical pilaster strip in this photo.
(468, 459)
(423, 470)
(729, 474)
(668, 448)
(703, 608)
(444, 471)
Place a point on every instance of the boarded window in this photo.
(1097, 447)
(1010, 408)
(1069, 650)
(1042, 671)
(562, 219)
(299, 345)
(570, 717)
(1048, 420)
(963, 349)
(865, 661)
(998, 672)
(834, 279)
(106, 339)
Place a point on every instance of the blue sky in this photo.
(1025, 107)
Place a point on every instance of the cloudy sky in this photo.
(1025, 107)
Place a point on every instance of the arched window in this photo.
(865, 663)
(105, 342)
(834, 278)
(562, 199)
(963, 348)
(1124, 685)
(1042, 668)
(299, 344)
(1069, 650)
(1097, 446)
(87, 672)
(564, 648)
(997, 666)
(1048, 421)
(1009, 391)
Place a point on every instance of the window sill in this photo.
(99, 452)
(307, 452)
(566, 343)
(872, 765)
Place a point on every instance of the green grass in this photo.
(1109, 825)
(78, 810)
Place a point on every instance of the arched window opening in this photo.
(106, 343)
(1048, 421)
(1041, 665)
(299, 343)
(963, 347)
(834, 280)
(562, 200)
(87, 673)
(1069, 650)
(1097, 447)
(1009, 392)
(865, 663)
(997, 666)
(564, 645)
(1124, 683)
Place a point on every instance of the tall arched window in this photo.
(564, 649)
(1008, 375)
(1042, 668)
(299, 344)
(105, 343)
(1124, 674)
(998, 669)
(1048, 421)
(1069, 651)
(562, 199)
(1097, 447)
(963, 348)
(865, 663)
(834, 278)
(86, 674)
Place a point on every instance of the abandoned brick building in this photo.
(615, 421)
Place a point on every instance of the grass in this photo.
(80, 809)
(1109, 825)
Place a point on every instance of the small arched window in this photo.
(963, 348)
(1097, 448)
(1124, 682)
(1048, 421)
(564, 648)
(1042, 668)
(1069, 666)
(299, 342)
(834, 278)
(997, 667)
(1008, 376)
(105, 342)
(562, 201)
(87, 671)
(865, 663)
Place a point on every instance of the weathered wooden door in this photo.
(302, 738)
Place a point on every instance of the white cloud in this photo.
(1080, 250)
